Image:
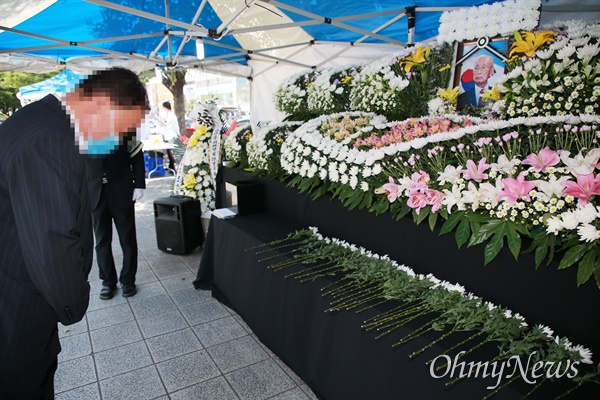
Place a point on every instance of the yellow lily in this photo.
(346, 79)
(445, 67)
(450, 95)
(418, 57)
(492, 94)
(531, 42)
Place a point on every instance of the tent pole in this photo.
(410, 12)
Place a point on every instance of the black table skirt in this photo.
(330, 352)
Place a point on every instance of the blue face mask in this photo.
(103, 146)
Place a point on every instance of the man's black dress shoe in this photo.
(129, 290)
(107, 292)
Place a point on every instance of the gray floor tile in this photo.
(109, 316)
(95, 286)
(142, 383)
(147, 290)
(190, 296)
(260, 381)
(87, 392)
(294, 394)
(74, 347)
(187, 370)
(203, 312)
(178, 283)
(74, 373)
(145, 276)
(237, 354)
(152, 305)
(162, 323)
(122, 359)
(114, 336)
(219, 331)
(96, 303)
(214, 389)
(74, 329)
(173, 344)
(174, 268)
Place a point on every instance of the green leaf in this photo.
(586, 267)
(404, 210)
(422, 215)
(573, 255)
(432, 220)
(463, 232)
(366, 202)
(543, 244)
(514, 242)
(493, 248)
(451, 223)
(380, 207)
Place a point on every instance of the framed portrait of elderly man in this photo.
(479, 64)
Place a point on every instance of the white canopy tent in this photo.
(263, 40)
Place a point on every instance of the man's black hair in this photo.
(122, 85)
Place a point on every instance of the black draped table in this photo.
(330, 351)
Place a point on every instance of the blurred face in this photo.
(484, 68)
(98, 117)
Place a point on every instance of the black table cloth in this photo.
(330, 351)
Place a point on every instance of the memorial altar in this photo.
(437, 204)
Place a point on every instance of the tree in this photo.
(11, 82)
(174, 80)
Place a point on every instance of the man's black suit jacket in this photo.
(124, 172)
(46, 242)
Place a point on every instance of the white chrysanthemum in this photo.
(588, 233)
(586, 354)
(569, 221)
(586, 214)
(555, 225)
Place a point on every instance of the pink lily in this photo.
(476, 172)
(515, 189)
(391, 189)
(544, 159)
(420, 180)
(434, 198)
(417, 199)
(584, 189)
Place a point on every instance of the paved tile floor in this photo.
(169, 341)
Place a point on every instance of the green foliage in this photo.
(11, 82)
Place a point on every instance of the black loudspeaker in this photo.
(246, 197)
(178, 224)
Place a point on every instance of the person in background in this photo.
(116, 182)
(170, 130)
(482, 72)
(45, 219)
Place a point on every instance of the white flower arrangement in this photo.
(560, 77)
(376, 87)
(264, 147)
(235, 145)
(196, 180)
(330, 89)
(308, 153)
(501, 18)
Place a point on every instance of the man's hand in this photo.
(137, 194)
